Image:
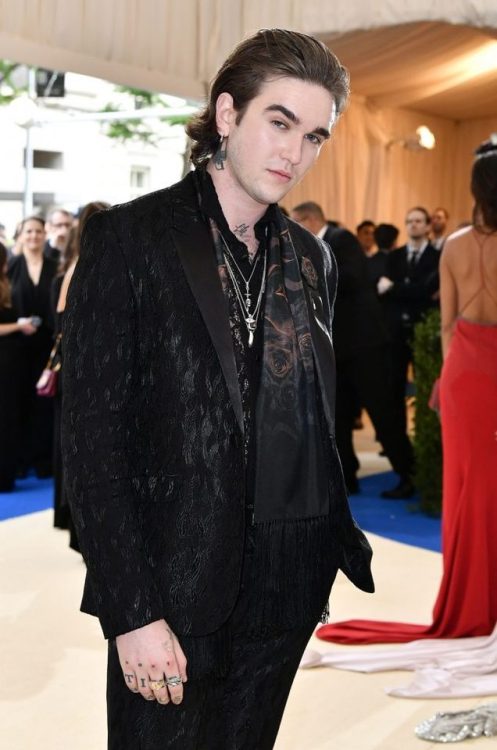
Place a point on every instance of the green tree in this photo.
(9, 90)
(427, 438)
(138, 129)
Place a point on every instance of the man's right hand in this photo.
(153, 662)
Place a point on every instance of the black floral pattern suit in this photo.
(152, 418)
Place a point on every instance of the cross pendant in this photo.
(248, 300)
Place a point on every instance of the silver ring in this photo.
(174, 681)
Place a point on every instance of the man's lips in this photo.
(281, 174)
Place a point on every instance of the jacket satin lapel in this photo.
(193, 244)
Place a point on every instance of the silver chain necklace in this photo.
(250, 317)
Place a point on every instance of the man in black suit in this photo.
(361, 345)
(409, 289)
(58, 225)
(198, 417)
(439, 222)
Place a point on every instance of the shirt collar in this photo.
(322, 231)
(417, 251)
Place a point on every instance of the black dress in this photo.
(10, 400)
(62, 513)
(36, 418)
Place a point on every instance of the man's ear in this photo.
(225, 113)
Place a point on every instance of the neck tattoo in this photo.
(241, 230)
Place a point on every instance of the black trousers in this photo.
(368, 374)
(241, 710)
(239, 677)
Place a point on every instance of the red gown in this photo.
(466, 604)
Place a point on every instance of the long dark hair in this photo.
(268, 53)
(74, 239)
(4, 280)
(484, 185)
(22, 224)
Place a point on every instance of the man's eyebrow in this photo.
(296, 120)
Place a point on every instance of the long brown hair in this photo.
(74, 240)
(268, 53)
(4, 281)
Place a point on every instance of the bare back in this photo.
(468, 280)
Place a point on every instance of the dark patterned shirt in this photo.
(248, 359)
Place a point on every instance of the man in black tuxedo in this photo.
(439, 233)
(198, 417)
(361, 345)
(409, 289)
(58, 225)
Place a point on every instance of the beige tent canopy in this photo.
(412, 62)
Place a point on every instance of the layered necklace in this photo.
(250, 313)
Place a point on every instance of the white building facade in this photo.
(77, 162)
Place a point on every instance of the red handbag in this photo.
(47, 382)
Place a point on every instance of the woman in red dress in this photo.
(466, 604)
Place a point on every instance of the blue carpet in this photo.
(30, 495)
(400, 520)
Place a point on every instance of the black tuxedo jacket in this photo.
(152, 418)
(358, 320)
(414, 290)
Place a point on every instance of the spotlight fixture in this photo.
(421, 139)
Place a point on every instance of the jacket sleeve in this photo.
(100, 386)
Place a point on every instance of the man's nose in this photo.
(292, 150)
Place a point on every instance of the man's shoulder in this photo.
(163, 201)
(397, 253)
(335, 233)
(432, 251)
(309, 243)
(340, 238)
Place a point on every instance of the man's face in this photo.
(58, 229)
(439, 222)
(417, 225)
(278, 138)
(365, 235)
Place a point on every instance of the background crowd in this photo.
(34, 278)
(384, 290)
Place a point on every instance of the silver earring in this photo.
(220, 155)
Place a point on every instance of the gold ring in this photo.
(156, 684)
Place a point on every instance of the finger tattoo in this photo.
(142, 680)
(129, 677)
